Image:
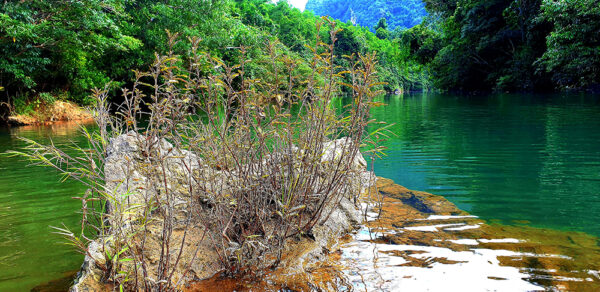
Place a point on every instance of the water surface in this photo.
(31, 200)
(517, 159)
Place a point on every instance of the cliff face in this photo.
(403, 13)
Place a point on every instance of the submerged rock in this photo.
(89, 277)
(416, 241)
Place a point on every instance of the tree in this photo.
(382, 23)
(43, 43)
(489, 45)
(573, 54)
(74, 46)
(382, 33)
(424, 43)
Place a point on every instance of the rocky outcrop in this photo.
(126, 179)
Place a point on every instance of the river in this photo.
(31, 200)
(529, 160)
(513, 159)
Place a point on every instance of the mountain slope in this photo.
(399, 13)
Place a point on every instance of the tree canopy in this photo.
(72, 46)
(525, 45)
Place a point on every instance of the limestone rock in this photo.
(333, 151)
(128, 168)
(89, 276)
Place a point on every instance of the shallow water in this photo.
(517, 159)
(436, 253)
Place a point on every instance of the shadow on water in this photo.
(62, 284)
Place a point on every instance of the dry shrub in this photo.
(252, 163)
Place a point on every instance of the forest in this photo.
(398, 14)
(523, 46)
(491, 45)
(63, 49)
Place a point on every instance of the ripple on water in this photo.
(496, 156)
(375, 266)
(31, 200)
(406, 250)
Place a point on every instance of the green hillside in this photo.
(403, 13)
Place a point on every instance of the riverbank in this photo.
(58, 111)
(419, 241)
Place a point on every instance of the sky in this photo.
(296, 3)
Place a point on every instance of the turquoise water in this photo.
(516, 159)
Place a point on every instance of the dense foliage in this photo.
(44, 43)
(295, 29)
(399, 14)
(74, 46)
(572, 57)
(65, 48)
(527, 45)
(69, 47)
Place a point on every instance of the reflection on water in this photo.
(389, 267)
(513, 158)
(31, 200)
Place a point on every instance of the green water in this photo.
(516, 159)
(510, 158)
(31, 200)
